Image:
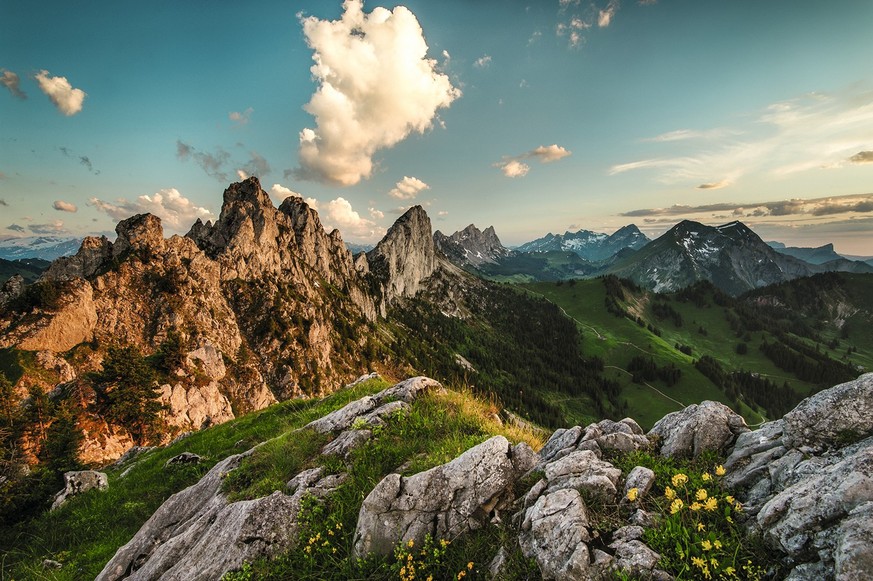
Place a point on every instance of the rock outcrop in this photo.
(266, 303)
(709, 425)
(405, 256)
(807, 479)
(78, 482)
(443, 502)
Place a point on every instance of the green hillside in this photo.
(85, 533)
(801, 336)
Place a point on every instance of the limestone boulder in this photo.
(708, 426)
(443, 502)
(78, 482)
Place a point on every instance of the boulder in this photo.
(555, 533)
(443, 502)
(832, 418)
(79, 482)
(708, 426)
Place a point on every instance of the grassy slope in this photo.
(86, 532)
(617, 340)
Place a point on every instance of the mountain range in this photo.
(592, 246)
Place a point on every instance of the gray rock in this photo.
(183, 459)
(409, 389)
(854, 549)
(346, 442)
(834, 417)
(561, 439)
(634, 557)
(641, 478)
(79, 482)
(811, 572)
(51, 564)
(709, 425)
(791, 518)
(445, 501)
(197, 534)
(555, 533)
(582, 470)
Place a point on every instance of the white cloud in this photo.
(67, 99)
(339, 214)
(63, 206)
(514, 167)
(176, 212)
(548, 153)
(376, 214)
(241, 118)
(279, 193)
(482, 62)
(242, 175)
(376, 86)
(408, 188)
(442, 213)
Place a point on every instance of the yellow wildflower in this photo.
(706, 477)
(729, 499)
(679, 479)
(738, 507)
(633, 493)
(729, 570)
(706, 545)
(470, 566)
(710, 504)
(713, 562)
(719, 470)
(701, 527)
(698, 562)
(701, 494)
(706, 573)
(676, 506)
(461, 575)
(695, 506)
(444, 543)
(717, 544)
(410, 543)
(669, 493)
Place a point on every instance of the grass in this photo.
(86, 532)
(438, 428)
(707, 329)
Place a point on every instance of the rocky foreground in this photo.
(806, 482)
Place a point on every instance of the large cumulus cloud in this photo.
(376, 86)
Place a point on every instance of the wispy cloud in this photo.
(813, 131)
(82, 159)
(828, 206)
(67, 99)
(862, 157)
(212, 163)
(714, 185)
(482, 62)
(16, 228)
(604, 17)
(53, 227)
(241, 117)
(513, 168)
(12, 82)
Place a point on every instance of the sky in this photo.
(533, 117)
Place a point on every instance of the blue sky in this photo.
(531, 116)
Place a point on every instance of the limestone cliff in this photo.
(277, 302)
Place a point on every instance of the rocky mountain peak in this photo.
(143, 231)
(405, 256)
(471, 246)
(249, 191)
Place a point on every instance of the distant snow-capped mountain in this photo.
(731, 256)
(592, 246)
(44, 247)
